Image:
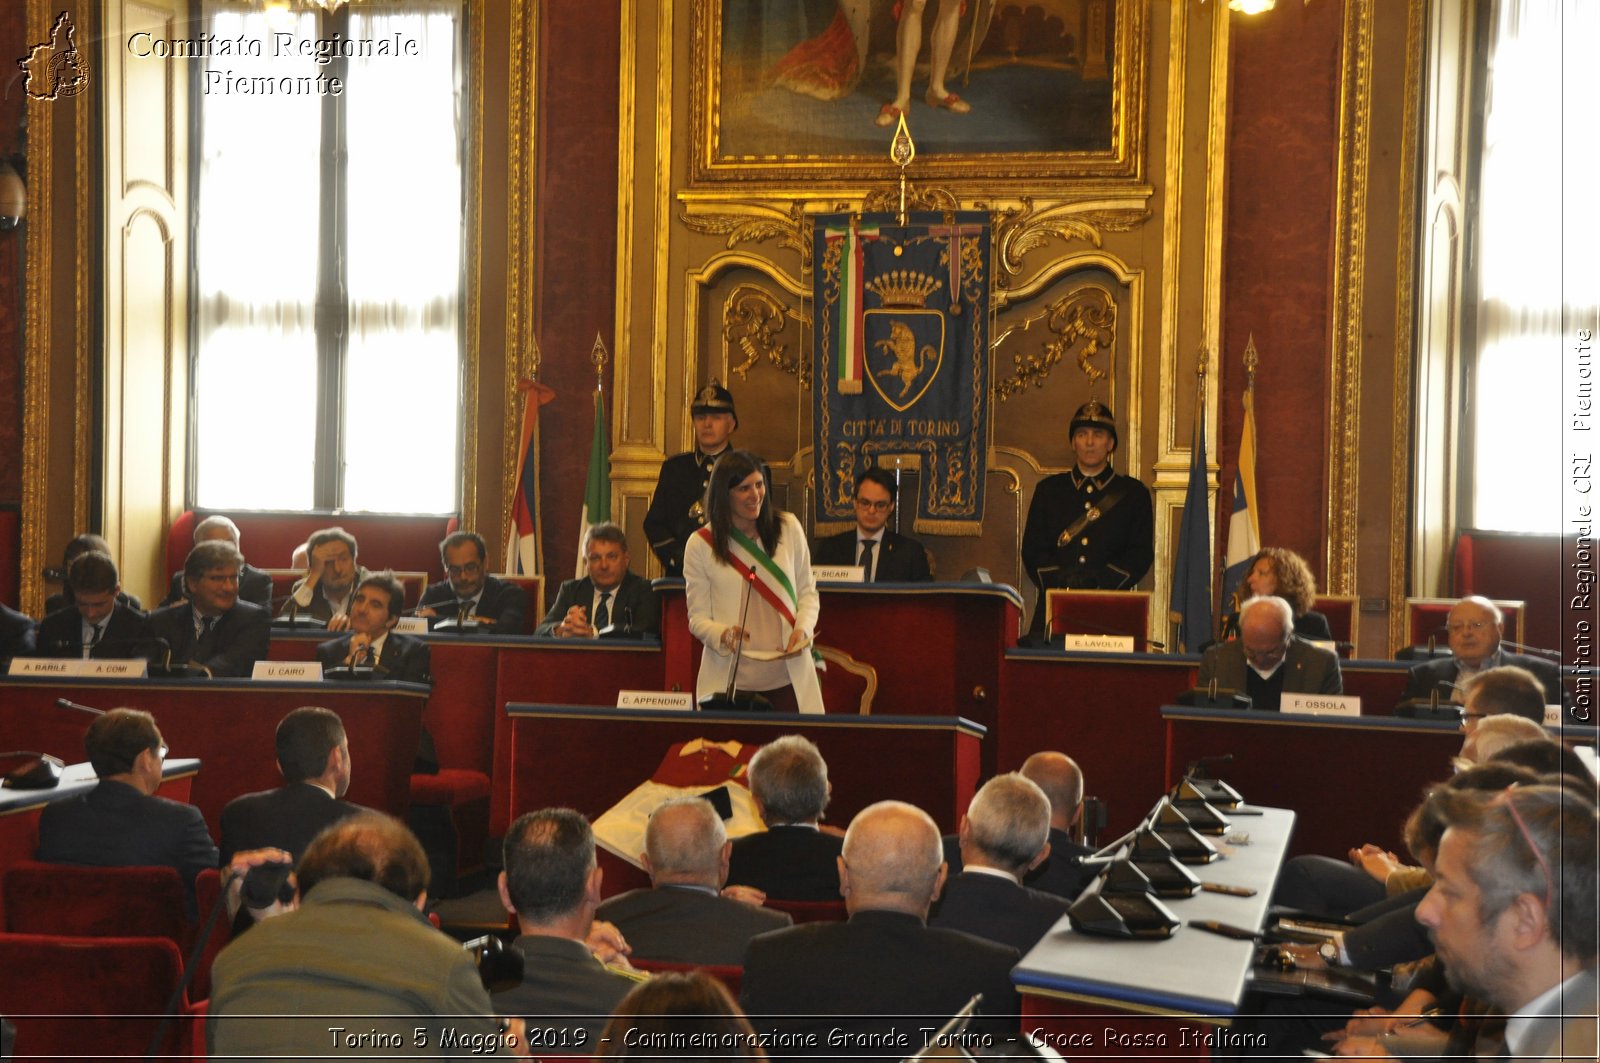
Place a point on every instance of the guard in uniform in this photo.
(676, 510)
(1091, 528)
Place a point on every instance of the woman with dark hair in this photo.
(680, 1017)
(748, 547)
(1284, 573)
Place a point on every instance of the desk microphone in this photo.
(728, 701)
(1537, 651)
(292, 618)
(40, 771)
(64, 703)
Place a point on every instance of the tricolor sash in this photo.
(770, 581)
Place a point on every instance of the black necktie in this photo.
(95, 631)
(602, 613)
(207, 625)
(866, 556)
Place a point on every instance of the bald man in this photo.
(1268, 660)
(1475, 627)
(1062, 872)
(685, 918)
(854, 986)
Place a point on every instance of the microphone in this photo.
(38, 771)
(1212, 696)
(1431, 708)
(1429, 652)
(1537, 651)
(64, 703)
(728, 701)
(54, 575)
(292, 618)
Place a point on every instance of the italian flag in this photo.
(850, 353)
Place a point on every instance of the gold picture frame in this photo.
(1069, 109)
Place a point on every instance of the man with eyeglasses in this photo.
(885, 556)
(214, 629)
(1268, 660)
(1475, 626)
(121, 823)
(470, 591)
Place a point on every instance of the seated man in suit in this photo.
(469, 591)
(1004, 835)
(610, 596)
(121, 823)
(551, 883)
(1062, 872)
(17, 632)
(374, 612)
(794, 859)
(314, 758)
(214, 630)
(255, 586)
(685, 918)
(78, 545)
(1512, 914)
(886, 556)
(332, 574)
(1475, 627)
(1267, 660)
(867, 977)
(97, 623)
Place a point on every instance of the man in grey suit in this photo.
(551, 883)
(1267, 660)
(1512, 912)
(685, 918)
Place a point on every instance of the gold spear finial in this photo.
(531, 359)
(1252, 358)
(902, 149)
(598, 358)
(1202, 362)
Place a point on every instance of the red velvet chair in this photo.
(90, 997)
(1344, 618)
(1100, 613)
(811, 911)
(1426, 617)
(195, 1016)
(207, 895)
(848, 685)
(732, 977)
(97, 902)
(534, 586)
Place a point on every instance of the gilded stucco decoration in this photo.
(1082, 324)
(754, 322)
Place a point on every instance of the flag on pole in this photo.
(1191, 572)
(597, 494)
(1244, 527)
(522, 544)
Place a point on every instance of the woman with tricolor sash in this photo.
(748, 543)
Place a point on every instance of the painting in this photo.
(813, 89)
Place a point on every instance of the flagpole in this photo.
(597, 486)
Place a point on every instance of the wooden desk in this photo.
(937, 646)
(589, 758)
(231, 725)
(1353, 780)
(1095, 989)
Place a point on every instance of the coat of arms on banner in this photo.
(901, 360)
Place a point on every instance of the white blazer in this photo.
(714, 593)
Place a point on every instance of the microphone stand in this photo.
(728, 701)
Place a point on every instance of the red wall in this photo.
(1282, 156)
(12, 42)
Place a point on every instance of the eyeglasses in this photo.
(161, 751)
(1506, 799)
(873, 507)
(1458, 626)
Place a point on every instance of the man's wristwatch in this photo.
(1329, 951)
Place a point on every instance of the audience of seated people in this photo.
(255, 586)
(796, 858)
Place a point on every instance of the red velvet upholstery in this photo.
(1528, 567)
(534, 586)
(1426, 617)
(812, 911)
(95, 901)
(1100, 613)
(207, 895)
(1344, 615)
(728, 975)
(77, 997)
(404, 542)
(195, 1016)
(848, 685)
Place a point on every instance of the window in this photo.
(328, 260)
(1535, 184)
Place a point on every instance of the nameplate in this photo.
(1099, 643)
(839, 573)
(412, 625)
(678, 700)
(1552, 716)
(120, 668)
(1321, 704)
(286, 671)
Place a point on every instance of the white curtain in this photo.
(1537, 189)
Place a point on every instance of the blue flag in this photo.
(1191, 571)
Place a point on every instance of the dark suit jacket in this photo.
(685, 925)
(901, 559)
(255, 587)
(63, 598)
(1062, 874)
(114, 825)
(997, 909)
(1307, 669)
(788, 863)
(635, 605)
(16, 633)
(1430, 675)
(505, 602)
(871, 974)
(405, 658)
(239, 639)
(286, 818)
(61, 634)
(564, 986)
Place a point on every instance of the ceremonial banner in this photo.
(901, 361)
(522, 543)
(1244, 527)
